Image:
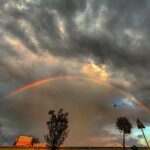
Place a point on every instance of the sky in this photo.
(84, 56)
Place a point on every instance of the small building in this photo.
(23, 141)
(28, 141)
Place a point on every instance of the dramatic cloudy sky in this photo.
(105, 41)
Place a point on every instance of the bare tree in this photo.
(124, 126)
(58, 129)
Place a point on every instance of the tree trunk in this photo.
(54, 148)
(123, 140)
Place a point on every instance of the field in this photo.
(71, 148)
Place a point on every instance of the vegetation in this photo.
(35, 140)
(58, 129)
(124, 126)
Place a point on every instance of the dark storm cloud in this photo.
(118, 16)
(113, 42)
(11, 27)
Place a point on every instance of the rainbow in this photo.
(39, 82)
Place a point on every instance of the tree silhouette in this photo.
(124, 126)
(35, 140)
(58, 129)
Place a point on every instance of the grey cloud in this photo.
(119, 17)
(11, 27)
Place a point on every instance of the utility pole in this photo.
(124, 146)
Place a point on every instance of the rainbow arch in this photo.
(39, 82)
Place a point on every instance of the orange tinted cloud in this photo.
(94, 71)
